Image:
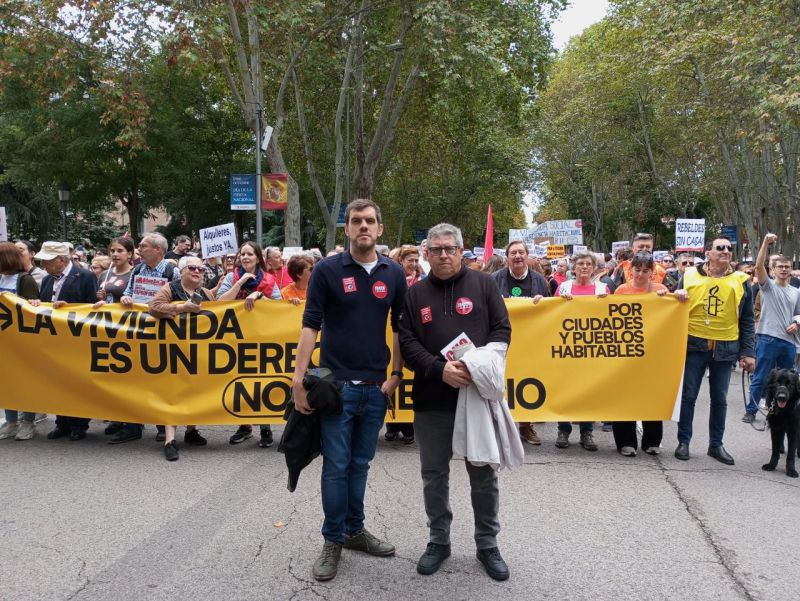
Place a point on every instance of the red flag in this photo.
(127, 235)
(488, 243)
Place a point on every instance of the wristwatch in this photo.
(397, 373)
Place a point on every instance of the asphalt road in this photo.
(88, 521)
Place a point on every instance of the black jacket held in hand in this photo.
(301, 441)
(437, 311)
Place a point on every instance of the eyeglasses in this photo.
(667, 261)
(687, 263)
(723, 248)
(194, 268)
(437, 250)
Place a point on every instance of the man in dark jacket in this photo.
(516, 281)
(720, 332)
(452, 301)
(64, 283)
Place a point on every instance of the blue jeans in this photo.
(567, 427)
(348, 445)
(12, 415)
(770, 352)
(719, 376)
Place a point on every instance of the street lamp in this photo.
(63, 197)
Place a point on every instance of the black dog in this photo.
(783, 393)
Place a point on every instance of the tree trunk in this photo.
(131, 203)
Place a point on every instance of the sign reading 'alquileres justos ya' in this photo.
(614, 358)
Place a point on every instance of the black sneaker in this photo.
(493, 562)
(171, 451)
(125, 435)
(433, 558)
(161, 434)
(193, 438)
(266, 439)
(113, 428)
(242, 434)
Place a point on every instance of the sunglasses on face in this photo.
(686, 263)
(194, 268)
(723, 248)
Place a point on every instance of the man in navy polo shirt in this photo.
(349, 297)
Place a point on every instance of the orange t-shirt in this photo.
(292, 291)
(627, 272)
(629, 288)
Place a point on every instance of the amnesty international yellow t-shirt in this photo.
(714, 304)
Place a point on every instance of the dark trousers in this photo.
(625, 434)
(65, 422)
(435, 438)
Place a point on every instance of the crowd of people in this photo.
(419, 283)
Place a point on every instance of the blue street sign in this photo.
(243, 191)
(419, 235)
(731, 233)
(340, 218)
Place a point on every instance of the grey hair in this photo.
(445, 229)
(156, 240)
(185, 261)
(600, 260)
(585, 254)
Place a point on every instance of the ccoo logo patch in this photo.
(426, 315)
(464, 306)
(380, 290)
(349, 285)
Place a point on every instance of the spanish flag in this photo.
(274, 191)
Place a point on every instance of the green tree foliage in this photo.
(677, 109)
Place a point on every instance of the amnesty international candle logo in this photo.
(713, 302)
(617, 335)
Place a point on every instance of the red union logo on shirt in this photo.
(380, 290)
(464, 306)
(349, 285)
(426, 315)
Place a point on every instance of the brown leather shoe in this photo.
(529, 435)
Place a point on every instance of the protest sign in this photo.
(3, 225)
(617, 246)
(576, 248)
(540, 250)
(690, 235)
(563, 231)
(556, 251)
(226, 365)
(145, 288)
(291, 251)
(218, 241)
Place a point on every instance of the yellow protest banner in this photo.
(584, 359)
(556, 251)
